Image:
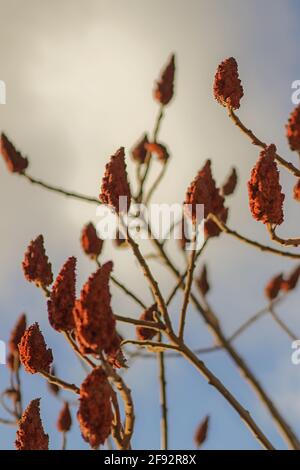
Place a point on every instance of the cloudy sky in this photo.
(79, 77)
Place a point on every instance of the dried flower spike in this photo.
(17, 334)
(273, 287)
(202, 282)
(159, 149)
(230, 184)
(139, 151)
(15, 162)
(228, 90)
(90, 242)
(64, 421)
(265, 196)
(115, 189)
(36, 266)
(201, 432)
(95, 414)
(291, 282)
(62, 298)
(203, 190)
(142, 332)
(293, 129)
(94, 319)
(34, 354)
(164, 88)
(31, 434)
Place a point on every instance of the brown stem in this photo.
(148, 159)
(282, 325)
(240, 237)
(7, 422)
(77, 350)
(282, 241)
(125, 393)
(256, 141)
(156, 182)
(157, 325)
(55, 189)
(163, 399)
(216, 383)
(60, 383)
(152, 282)
(188, 285)
(152, 345)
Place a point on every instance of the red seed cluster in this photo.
(202, 282)
(139, 151)
(90, 242)
(62, 298)
(31, 434)
(230, 184)
(115, 183)
(293, 129)
(95, 413)
(290, 282)
(201, 432)
(17, 334)
(34, 354)
(36, 266)
(228, 90)
(14, 160)
(64, 421)
(94, 319)
(273, 287)
(142, 332)
(159, 149)
(203, 190)
(164, 87)
(265, 196)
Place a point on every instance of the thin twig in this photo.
(60, 383)
(65, 192)
(148, 159)
(188, 285)
(152, 282)
(156, 182)
(282, 241)
(157, 325)
(282, 325)
(256, 141)
(258, 245)
(125, 393)
(151, 345)
(77, 350)
(163, 399)
(215, 382)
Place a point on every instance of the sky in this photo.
(79, 78)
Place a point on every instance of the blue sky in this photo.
(79, 86)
